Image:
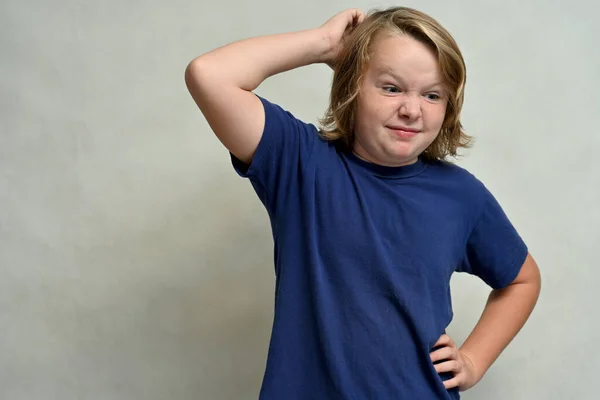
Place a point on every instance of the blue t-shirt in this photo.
(363, 259)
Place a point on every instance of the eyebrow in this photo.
(388, 71)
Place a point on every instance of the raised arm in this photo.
(221, 81)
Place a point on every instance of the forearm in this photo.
(247, 63)
(504, 315)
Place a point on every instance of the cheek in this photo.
(368, 114)
(435, 117)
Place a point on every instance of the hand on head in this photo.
(337, 28)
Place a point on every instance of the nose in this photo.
(410, 107)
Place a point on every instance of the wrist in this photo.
(323, 45)
(477, 371)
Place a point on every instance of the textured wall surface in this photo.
(135, 264)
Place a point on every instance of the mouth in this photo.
(404, 132)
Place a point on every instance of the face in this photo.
(401, 104)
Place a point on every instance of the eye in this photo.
(433, 96)
(391, 89)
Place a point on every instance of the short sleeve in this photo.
(495, 251)
(282, 154)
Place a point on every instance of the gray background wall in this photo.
(135, 264)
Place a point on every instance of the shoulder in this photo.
(452, 174)
(458, 183)
(279, 117)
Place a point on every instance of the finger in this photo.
(451, 383)
(444, 340)
(448, 366)
(445, 353)
(357, 16)
(361, 17)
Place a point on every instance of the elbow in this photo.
(199, 79)
(193, 72)
(202, 75)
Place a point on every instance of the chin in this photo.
(403, 154)
(401, 159)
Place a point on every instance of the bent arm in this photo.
(504, 315)
(221, 82)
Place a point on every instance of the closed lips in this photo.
(405, 129)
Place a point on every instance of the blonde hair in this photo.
(339, 119)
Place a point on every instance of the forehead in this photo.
(405, 57)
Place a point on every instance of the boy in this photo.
(369, 220)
